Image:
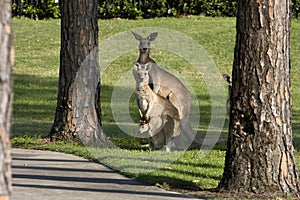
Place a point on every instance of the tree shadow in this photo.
(33, 105)
(296, 128)
(83, 178)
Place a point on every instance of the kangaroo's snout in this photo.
(143, 50)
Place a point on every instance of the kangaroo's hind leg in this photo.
(151, 145)
(169, 133)
(169, 143)
(187, 137)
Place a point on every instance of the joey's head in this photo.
(144, 45)
(227, 78)
(142, 71)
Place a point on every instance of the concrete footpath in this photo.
(44, 175)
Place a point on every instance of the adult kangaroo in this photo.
(159, 118)
(170, 87)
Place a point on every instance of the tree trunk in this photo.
(76, 113)
(6, 97)
(260, 155)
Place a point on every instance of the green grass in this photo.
(37, 46)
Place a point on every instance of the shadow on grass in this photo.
(167, 182)
(33, 105)
(180, 173)
(34, 98)
(31, 129)
(296, 129)
(148, 159)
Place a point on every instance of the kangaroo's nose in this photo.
(144, 49)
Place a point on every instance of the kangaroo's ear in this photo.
(152, 36)
(137, 36)
(227, 78)
(136, 66)
(148, 66)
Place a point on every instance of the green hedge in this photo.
(38, 9)
(296, 8)
(134, 9)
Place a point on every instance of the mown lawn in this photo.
(37, 46)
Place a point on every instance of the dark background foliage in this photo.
(135, 9)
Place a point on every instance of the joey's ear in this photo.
(152, 36)
(148, 66)
(136, 66)
(137, 36)
(227, 78)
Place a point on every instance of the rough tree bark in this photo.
(78, 99)
(260, 155)
(6, 97)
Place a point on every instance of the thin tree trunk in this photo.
(260, 155)
(6, 97)
(76, 113)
